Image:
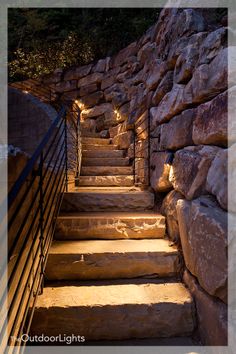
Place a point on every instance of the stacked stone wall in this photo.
(176, 74)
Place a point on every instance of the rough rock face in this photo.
(190, 168)
(168, 209)
(160, 171)
(123, 140)
(210, 123)
(217, 178)
(178, 132)
(203, 233)
(211, 314)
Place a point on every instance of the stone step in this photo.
(120, 181)
(111, 259)
(107, 161)
(95, 141)
(103, 153)
(109, 199)
(106, 170)
(109, 225)
(99, 147)
(115, 310)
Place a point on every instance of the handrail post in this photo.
(149, 150)
(77, 172)
(41, 219)
(66, 153)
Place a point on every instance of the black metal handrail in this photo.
(141, 161)
(33, 205)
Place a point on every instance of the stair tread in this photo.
(95, 295)
(114, 180)
(86, 147)
(111, 214)
(159, 246)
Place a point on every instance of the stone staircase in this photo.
(111, 273)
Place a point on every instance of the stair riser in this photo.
(111, 266)
(95, 141)
(73, 202)
(116, 322)
(106, 171)
(99, 147)
(105, 162)
(103, 153)
(109, 228)
(106, 181)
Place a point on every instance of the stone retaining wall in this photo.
(177, 74)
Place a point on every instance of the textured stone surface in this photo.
(89, 259)
(100, 147)
(163, 88)
(99, 181)
(211, 314)
(203, 233)
(168, 208)
(123, 140)
(103, 153)
(171, 104)
(106, 170)
(186, 63)
(149, 309)
(160, 170)
(190, 168)
(178, 132)
(85, 90)
(94, 78)
(107, 161)
(95, 141)
(217, 181)
(208, 80)
(96, 110)
(107, 225)
(210, 123)
(112, 199)
(212, 44)
(92, 99)
(77, 73)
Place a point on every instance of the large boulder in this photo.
(92, 100)
(123, 140)
(96, 111)
(211, 45)
(186, 63)
(211, 314)
(178, 132)
(163, 88)
(94, 78)
(208, 80)
(171, 104)
(217, 178)
(168, 208)
(190, 168)
(160, 169)
(210, 123)
(203, 233)
(77, 73)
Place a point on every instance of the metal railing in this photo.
(33, 205)
(141, 163)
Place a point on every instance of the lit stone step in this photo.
(99, 147)
(120, 181)
(109, 199)
(95, 141)
(106, 170)
(109, 225)
(107, 161)
(115, 310)
(103, 153)
(116, 259)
